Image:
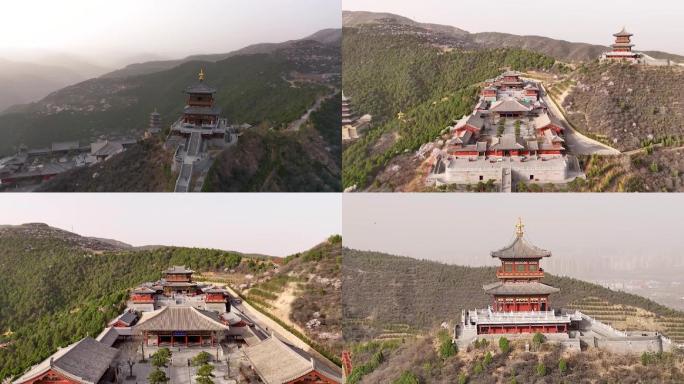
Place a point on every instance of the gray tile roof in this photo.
(143, 290)
(507, 142)
(200, 88)
(511, 73)
(520, 249)
(508, 105)
(180, 269)
(106, 148)
(65, 146)
(529, 288)
(178, 318)
(278, 362)
(623, 32)
(128, 317)
(192, 110)
(84, 361)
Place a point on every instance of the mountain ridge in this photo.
(324, 36)
(558, 48)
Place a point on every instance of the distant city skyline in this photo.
(656, 24)
(109, 31)
(277, 224)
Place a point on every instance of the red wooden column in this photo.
(186, 341)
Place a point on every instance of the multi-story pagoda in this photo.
(201, 116)
(349, 120)
(622, 48)
(178, 280)
(520, 301)
(347, 113)
(519, 287)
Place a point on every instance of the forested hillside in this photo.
(385, 293)
(59, 287)
(251, 89)
(386, 74)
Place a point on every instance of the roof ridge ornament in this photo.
(201, 75)
(520, 228)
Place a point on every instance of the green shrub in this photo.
(407, 378)
(541, 369)
(487, 359)
(504, 344)
(201, 358)
(462, 378)
(562, 365)
(478, 368)
(157, 376)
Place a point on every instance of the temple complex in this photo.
(521, 306)
(510, 136)
(351, 123)
(188, 317)
(622, 49)
(178, 288)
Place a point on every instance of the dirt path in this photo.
(267, 323)
(282, 307)
(643, 150)
(295, 125)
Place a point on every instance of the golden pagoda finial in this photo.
(520, 228)
(201, 74)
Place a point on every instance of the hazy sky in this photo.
(465, 228)
(162, 27)
(656, 24)
(276, 224)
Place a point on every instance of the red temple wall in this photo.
(181, 278)
(51, 377)
(521, 328)
(215, 297)
(312, 378)
(145, 298)
(464, 153)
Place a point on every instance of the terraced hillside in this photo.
(625, 317)
(306, 289)
(388, 296)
